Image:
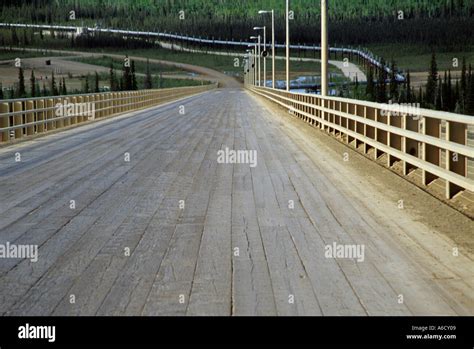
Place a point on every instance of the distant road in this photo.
(350, 70)
(209, 74)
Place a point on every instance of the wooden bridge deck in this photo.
(238, 246)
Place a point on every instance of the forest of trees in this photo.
(442, 92)
(126, 81)
(445, 23)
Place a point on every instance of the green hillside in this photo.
(434, 22)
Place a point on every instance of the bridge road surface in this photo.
(236, 247)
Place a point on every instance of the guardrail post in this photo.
(351, 123)
(382, 135)
(411, 146)
(58, 103)
(83, 101)
(50, 114)
(40, 116)
(77, 106)
(18, 119)
(68, 120)
(98, 105)
(116, 103)
(395, 141)
(429, 153)
(457, 163)
(4, 122)
(30, 118)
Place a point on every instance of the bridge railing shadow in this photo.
(21, 118)
(438, 146)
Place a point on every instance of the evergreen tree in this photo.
(382, 84)
(96, 83)
(445, 92)
(54, 88)
(370, 89)
(86, 84)
(393, 83)
(44, 91)
(463, 95)
(439, 96)
(1, 91)
(409, 96)
(21, 84)
(112, 79)
(148, 83)
(356, 88)
(431, 85)
(134, 77)
(64, 90)
(126, 78)
(33, 84)
(457, 98)
(451, 101)
(470, 93)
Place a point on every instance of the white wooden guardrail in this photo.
(21, 118)
(438, 143)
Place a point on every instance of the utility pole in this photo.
(287, 45)
(324, 48)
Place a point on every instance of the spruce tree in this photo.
(356, 88)
(431, 85)
(86, 84)
(148, 84)
(382, 84)
(64, 90)
(370, 89)
(54, 88)
(445, 92)
(409, 96)
(393, 83)
(457, 98)
(450, 95)
(96, 83)
(133, 77)
(439, 96)
(127, 78)
(112, 79)
(21, 84)
(33, 84)
(463, 92)
(470, 93)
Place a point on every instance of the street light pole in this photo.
(287, 45)
(264, 28)
(273, 48)
(251, 74)
(273, 45)
(324, 48)
(264, 58)
(259, 59)
(256, 52)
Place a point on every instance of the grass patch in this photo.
(6, 54)
(417, 58)
(140, 67)
(221, 63)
